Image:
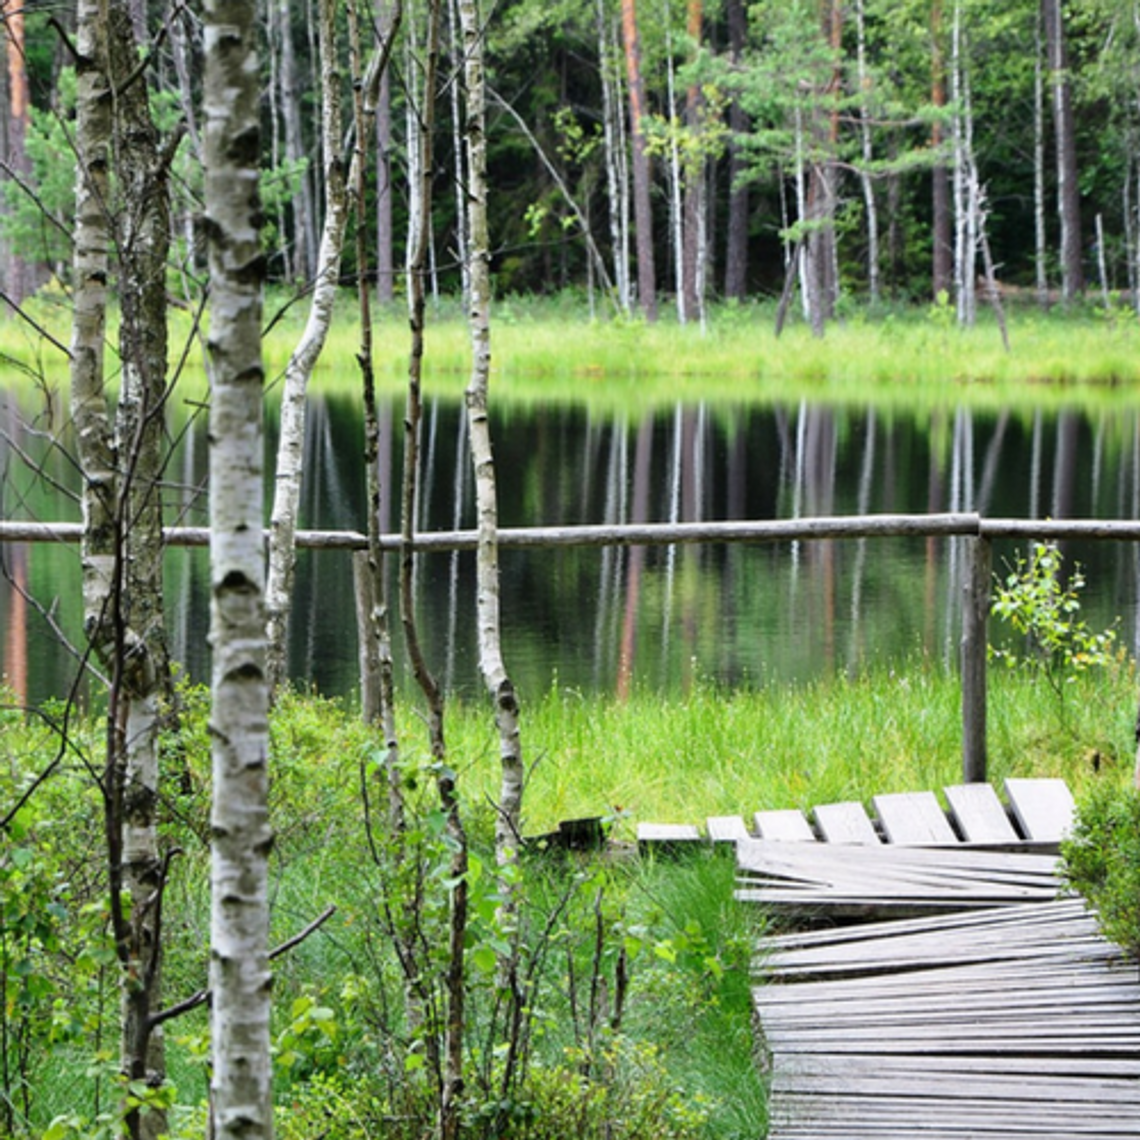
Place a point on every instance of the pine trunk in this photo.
(736, 249)
(642, 210)
(18, 282)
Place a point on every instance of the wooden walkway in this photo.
(1036, 817)
(998, 1013)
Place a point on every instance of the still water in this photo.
(603, 620)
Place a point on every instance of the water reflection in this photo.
(611, 619)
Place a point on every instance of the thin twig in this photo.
(206, 995)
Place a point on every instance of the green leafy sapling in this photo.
(1043, 608)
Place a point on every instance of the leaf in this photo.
(483, 958)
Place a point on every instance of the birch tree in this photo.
(240, 979)
(446, 1063)
(495, 676)
(120, 455)
(298, 372)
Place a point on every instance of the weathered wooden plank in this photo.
(726, 828)
(666, 835)
(901, 1006)
(1022, 918)
(1011, 1023)
(1043, 808)
(786, 824)
(845, 823)
(979, 814)
(1012, 1118)
(913, 819)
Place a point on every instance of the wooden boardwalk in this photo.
(1036, 817)
(983, 1006)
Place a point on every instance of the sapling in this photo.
(1043, 606)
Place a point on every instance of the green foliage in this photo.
(634, 1006)
(37, 216)
(1043, 607)
(1102, 861)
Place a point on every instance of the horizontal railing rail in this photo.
(956, 524)
(969, 525)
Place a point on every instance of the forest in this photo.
(658, 155)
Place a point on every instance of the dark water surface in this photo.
(599, 620)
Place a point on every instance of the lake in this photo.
(603, 620)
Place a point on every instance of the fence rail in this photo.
(981, 532)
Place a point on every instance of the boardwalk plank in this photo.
(1012, 1022)
(979, 814)
(726, 828)
(846, 823)
(913, 819)
(1043, 808)
(787, 824)
(666, 835)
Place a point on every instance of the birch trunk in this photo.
(240, 979)
(865, 178)
(676, 212)
(448, 1065)
(495, 676)
(459, 175)
(290, 447)
(965, 245)
(617, 194)
(1041, 253)
(92, 239)
(694, 172)
(142, 220)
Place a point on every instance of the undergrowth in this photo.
(637, 1017)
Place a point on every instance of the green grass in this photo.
(550, 350)
(714, 752)
(687, 1022)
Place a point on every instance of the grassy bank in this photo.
(677, 1063)
(551, 350)
(714, 753)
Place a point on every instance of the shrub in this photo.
(1102, 861)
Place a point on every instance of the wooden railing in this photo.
(981, 533)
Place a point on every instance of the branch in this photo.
(204, 996)
(19, 311)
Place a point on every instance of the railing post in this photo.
(975, 642)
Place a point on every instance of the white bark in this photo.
(290, 447)
(868, 156)
(240, 978)
(965, 240)
(676, 215)
(507, 829)
(1102, 264)
(617, 181)
(89, 317)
